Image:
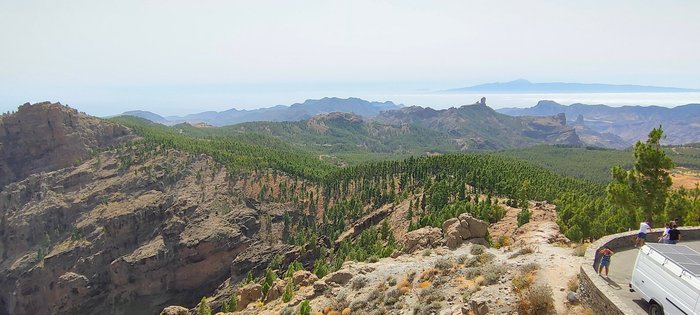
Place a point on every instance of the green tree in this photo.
(204, 308)
(288, 291)
(233, 302)
(523, 216)
(642, 191)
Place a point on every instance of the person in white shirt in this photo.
(644, 228)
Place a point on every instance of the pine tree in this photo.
(233, 302)
(288, 291)
(643, 190)
(204, 308)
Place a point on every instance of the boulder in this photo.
(304, 278)
(249, 293)
(572, 297)
(340, 277)
(276, 290)
(477, 307)
(425, 237)
(320, 286)
(453, 238)
(477, 228)
(175, 310)
(447, 224)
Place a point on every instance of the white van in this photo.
(667, 277)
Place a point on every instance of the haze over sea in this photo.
(500, 100)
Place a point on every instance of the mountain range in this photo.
(681, 124)
(525, 86)
(294, 112)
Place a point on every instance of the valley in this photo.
(133, 217)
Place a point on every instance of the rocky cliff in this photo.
(45, 136)
(126, 231)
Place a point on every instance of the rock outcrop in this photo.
(463, 228)
(426, 237)
(46, 137)
(248, 294)
(103, 238)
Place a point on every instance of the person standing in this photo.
(664, 237)
(605, 253)
(674, 235)
(644, 228)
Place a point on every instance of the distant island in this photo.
(525, 86)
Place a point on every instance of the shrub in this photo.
(373, 259)
(471, 272)
(477, 249)
(486, 257)
(392, 296)
(287, 311)
(359, 282)
(430, 295)
(427, 252)
(492, 274)
(581, 249)
(503, 240)
(523, 217)
(443, 264)
(391, 281)
(529, 267)
(462, 259)
(522, 281)
(522, 251)
(358, 304)
(572, 284)
(537, 299)
(472, 262)
(304, 308)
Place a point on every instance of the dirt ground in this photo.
(683, 177)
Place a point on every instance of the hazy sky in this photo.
(177, 57)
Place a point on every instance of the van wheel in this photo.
(655, 309)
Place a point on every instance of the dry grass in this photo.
(502, 241)
(572, 284)
(428, 274)
(425, 284)
(404, 286)
(523, 251)
(537, 299)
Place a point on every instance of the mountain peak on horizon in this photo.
(524, 86)
(293, 112)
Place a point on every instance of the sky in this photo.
(178, 57)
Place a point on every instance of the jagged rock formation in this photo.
(45, 136)
(627, 123)
(478, 126)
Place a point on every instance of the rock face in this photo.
(100, 238)
(465, 227)
(45, 137)
(426, 237)
(125, 231)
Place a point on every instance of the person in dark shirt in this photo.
(674, 235)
